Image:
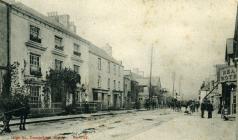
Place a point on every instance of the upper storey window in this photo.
(77, 50)
(35, 34)
(59, 43)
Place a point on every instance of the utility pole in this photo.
(180, 85)
(173, 78)
(150, 88)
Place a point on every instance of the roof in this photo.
(100, 52)
(155, 81)
(127, 72)
(35, 14)
(43, 18)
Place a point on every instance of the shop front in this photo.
(228, 82)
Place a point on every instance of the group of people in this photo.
(206, 105)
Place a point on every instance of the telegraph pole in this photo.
(180, 85)
(173, 78)
(150, 88)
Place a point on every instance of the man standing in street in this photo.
(209, 109)
(203, 107)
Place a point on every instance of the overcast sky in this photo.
(188, 36)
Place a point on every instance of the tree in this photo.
(15, 95)
(62, 83)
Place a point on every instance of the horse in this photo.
(17, 106)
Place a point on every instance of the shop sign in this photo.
(228, 74)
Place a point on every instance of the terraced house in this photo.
(107, 89)
(40, 43)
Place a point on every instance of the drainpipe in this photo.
(8, 48)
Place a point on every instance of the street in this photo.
(155, 124)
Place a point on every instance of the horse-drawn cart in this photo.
(6, 116)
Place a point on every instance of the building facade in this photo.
(105, 79)
(39, 44)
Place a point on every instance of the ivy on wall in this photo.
(61, 83)
(17, 95)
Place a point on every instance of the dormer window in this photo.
(35, 34)
(59, 43)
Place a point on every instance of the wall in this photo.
(94, 72)
(3, 35)
(20, 34)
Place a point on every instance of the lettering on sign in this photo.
(228, 74)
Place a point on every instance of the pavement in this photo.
(67, 117)
(191, 127)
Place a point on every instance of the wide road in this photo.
(156, 124)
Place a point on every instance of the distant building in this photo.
(105, 79)
(144, 88)
(131, 90)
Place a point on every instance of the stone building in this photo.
(131, 90)
(105, 78)
(144, 89)
(39, 43)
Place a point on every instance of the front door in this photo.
(115, 100)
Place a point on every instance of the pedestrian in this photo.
(203, 107)
(197, 106)
(209, 109)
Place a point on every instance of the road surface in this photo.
(155, 124)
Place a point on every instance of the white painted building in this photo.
(105, 78)
(39, 44)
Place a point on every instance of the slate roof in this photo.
(100, 52)
(41, 17)
(155, 81)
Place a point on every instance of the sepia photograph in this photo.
(118, 69)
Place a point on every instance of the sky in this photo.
(188, 36)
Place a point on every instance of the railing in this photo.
(89, 107)
(56, 105)
(36, 108)
(35, 105)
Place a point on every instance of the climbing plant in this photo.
(18, 94)
(61, 83)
